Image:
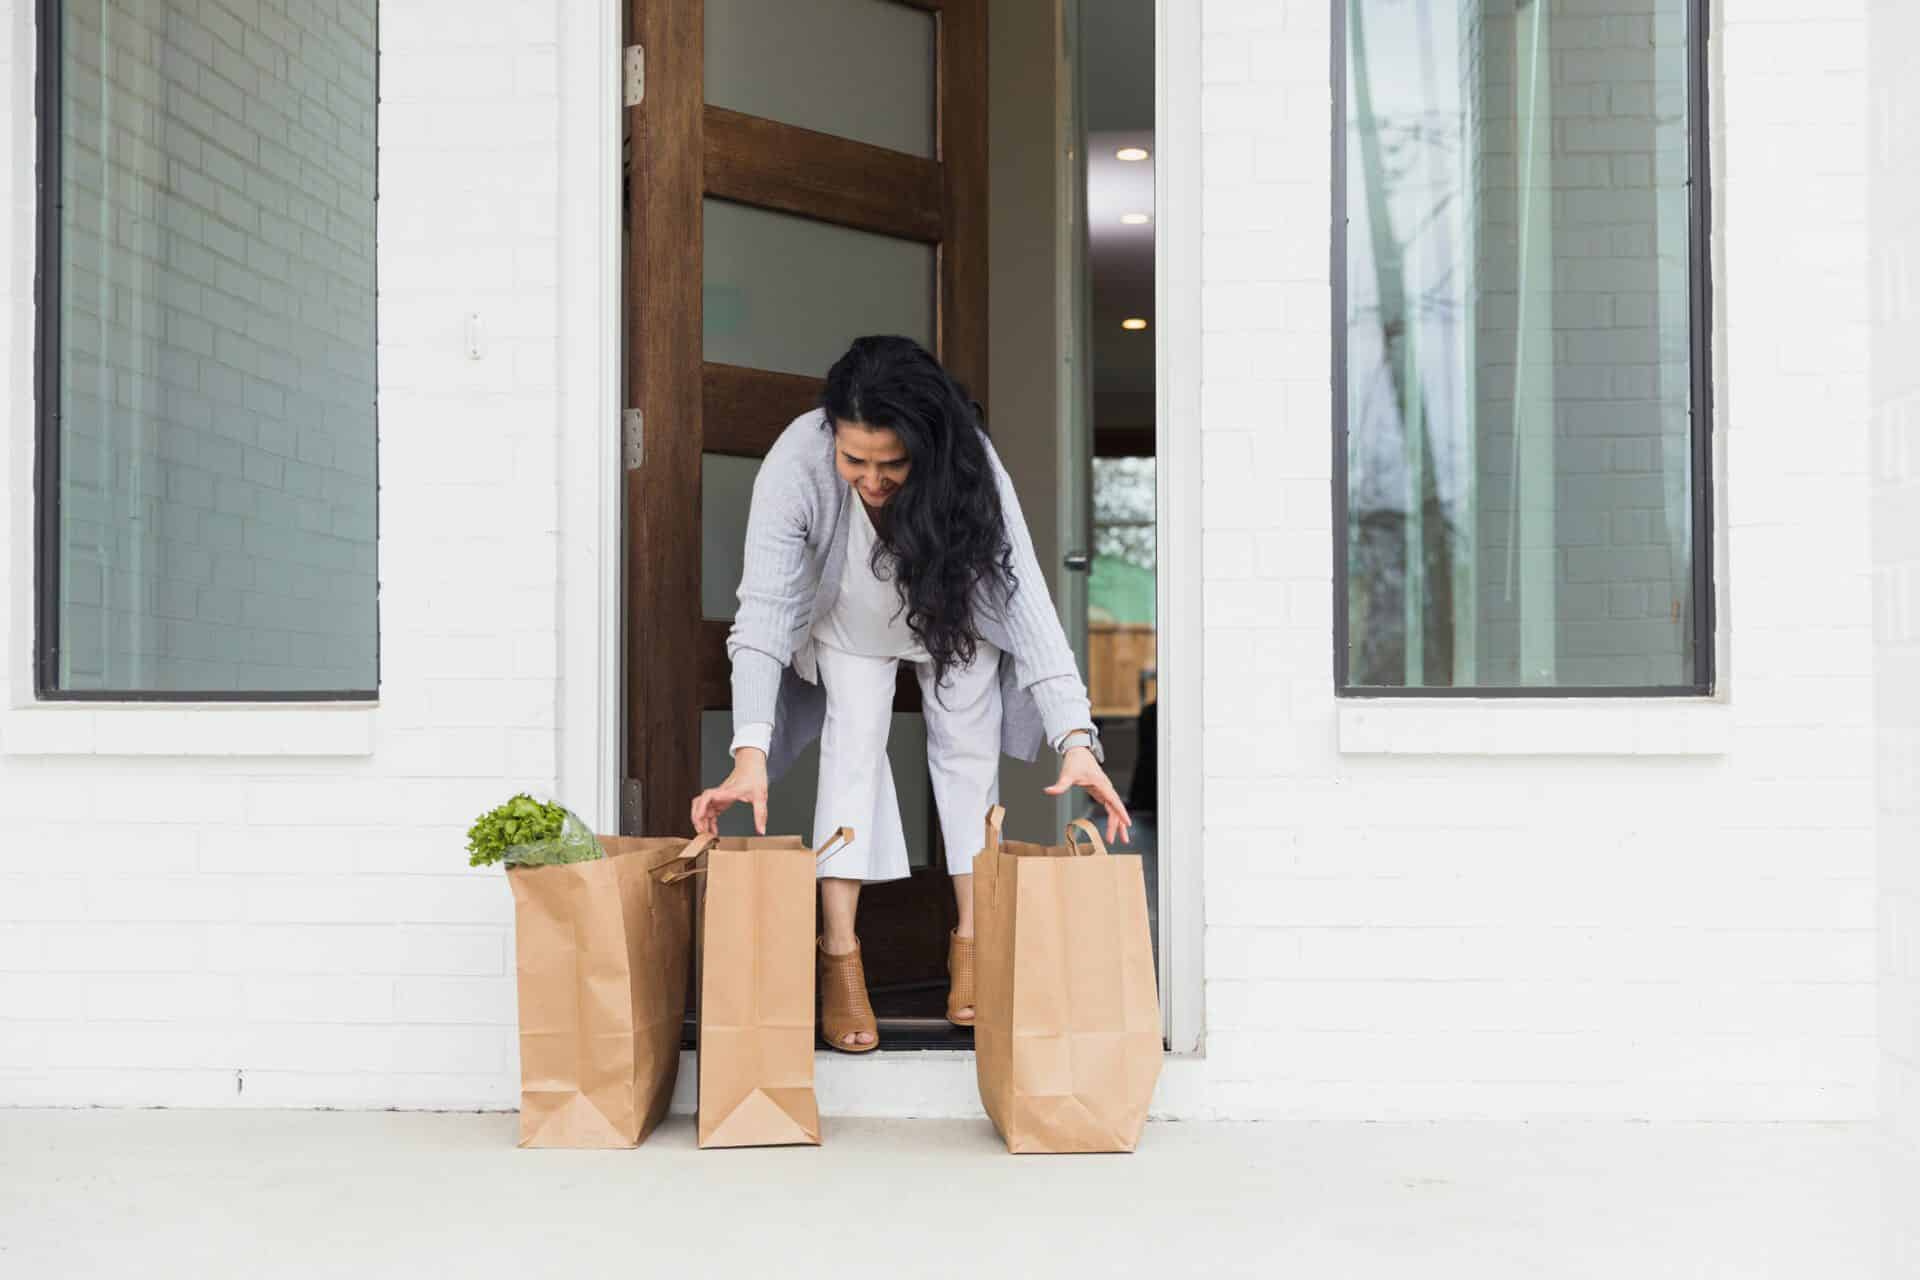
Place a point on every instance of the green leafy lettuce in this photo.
(525, 832)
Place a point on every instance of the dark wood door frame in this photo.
(681, 151)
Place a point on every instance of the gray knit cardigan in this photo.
(796, 548)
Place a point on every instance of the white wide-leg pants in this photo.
(856, 782)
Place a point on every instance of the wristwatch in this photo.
(1066, 742)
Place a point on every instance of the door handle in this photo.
(1079, 561)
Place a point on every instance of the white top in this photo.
(869, 618)
(796, 543)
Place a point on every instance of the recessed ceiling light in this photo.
(1135, 219)
(1133, 323)
(1130, 153)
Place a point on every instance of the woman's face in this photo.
(871, 459)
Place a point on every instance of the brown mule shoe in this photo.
(960, 968)
(844, 1008)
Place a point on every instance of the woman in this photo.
(884, 530)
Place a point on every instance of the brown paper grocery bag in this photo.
(756, 991)
(601, 954)
(1066, 1032)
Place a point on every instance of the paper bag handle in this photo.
(996, 816)
(842, 837)
(1081, 827)
(680, 865)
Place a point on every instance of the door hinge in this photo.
(632, 423)
(636, 77)
(630, 806)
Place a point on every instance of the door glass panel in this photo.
(860, 69)
(788, 294)
(726, 491)
(790, 797)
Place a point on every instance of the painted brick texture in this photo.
(1672, 936)
(1668, 936)
(1895, 221)
(262, 930)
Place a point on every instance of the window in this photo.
(205, 380)
(1522, 480)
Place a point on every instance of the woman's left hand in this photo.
(1078, 768)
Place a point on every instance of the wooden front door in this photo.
(795, 178)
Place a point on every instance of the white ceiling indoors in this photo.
(1117, 67)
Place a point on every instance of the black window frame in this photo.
(49, 20)
(1699, 416)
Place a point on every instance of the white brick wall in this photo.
(1662, 935)
(259, 930)
(1895, 271)
(1675, 936)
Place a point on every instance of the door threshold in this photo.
(923, 1033)
(903, 1034)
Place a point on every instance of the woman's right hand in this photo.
(748, 782)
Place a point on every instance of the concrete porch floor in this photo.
(302, 1193)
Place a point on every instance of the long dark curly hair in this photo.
(946, 539)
